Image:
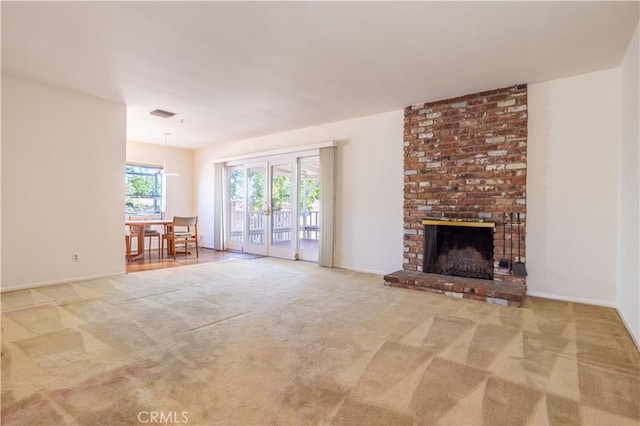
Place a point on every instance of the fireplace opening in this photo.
(464, 251)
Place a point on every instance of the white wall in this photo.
(628, 298)
(369, 186)
(572, 187)
(63, 155)
(179, 189)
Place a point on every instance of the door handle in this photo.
(266, 210)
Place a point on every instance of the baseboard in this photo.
(633, 338)
(61, 281)
(365, 271)
(572, 299)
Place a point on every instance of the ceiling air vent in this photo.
(162, 113)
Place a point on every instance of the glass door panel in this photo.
(236, 208)
(282, 220)
(256, 203)
(309, 208)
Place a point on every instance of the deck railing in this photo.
(281, 226)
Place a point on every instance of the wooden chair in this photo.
(127, 245)
(148, 232)
(127, 242)
(183, 230)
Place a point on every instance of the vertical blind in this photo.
(327, 205)
(218, 209)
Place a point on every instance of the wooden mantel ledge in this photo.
(458, 223)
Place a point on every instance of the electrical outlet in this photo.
(75, 257)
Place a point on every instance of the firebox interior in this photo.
(465, 251)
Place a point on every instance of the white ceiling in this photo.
(234, 70)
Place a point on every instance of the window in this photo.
(144, 190)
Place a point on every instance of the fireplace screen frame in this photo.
(431, 243)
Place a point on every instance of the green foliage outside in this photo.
(281, 190)
(236, 185)
(256, 190)
(313, 196)
(281, 193)
(140, 186)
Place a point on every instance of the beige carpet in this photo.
(276, 342)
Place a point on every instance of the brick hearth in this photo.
(500, 293)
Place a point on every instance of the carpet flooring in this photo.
(267, 341)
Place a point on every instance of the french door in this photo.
(270, 209)
(282, 217)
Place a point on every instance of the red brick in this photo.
(455, 151)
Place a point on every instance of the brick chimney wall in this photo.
(465, 158)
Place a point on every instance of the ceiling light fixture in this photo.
(162, 113)
(165, 165)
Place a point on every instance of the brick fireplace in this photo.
(465, 162)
